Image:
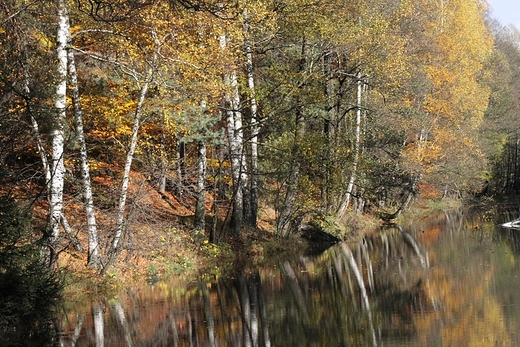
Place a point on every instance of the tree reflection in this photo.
(380, 291)
(293, 304)
(97, 314)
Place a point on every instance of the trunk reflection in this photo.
(421, 285)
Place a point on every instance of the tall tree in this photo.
(93, 259)
(58, 131)
(251, 217)
(500, 139)
(452, 110)
(233, 115)
(143, 85)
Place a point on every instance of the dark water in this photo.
(452, 279)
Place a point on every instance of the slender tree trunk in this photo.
(516, 176)
(407, 201)
(423, 137)
(120, 221)
(357, 140)
(200, 209)
(120, 225)
(41, 149)
(255, 127)
(235, 140)
(329, 126)
(200, 205)
(508, 171)
(283, 223)
(181, 167)
(246, 191)
(57, 133)
(164, 162)
(93, 246)
(234, 122)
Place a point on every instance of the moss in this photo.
(350, 227)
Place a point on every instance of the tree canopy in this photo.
(300, 106)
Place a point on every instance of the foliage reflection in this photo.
(429, 284)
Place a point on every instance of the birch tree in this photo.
(58, 129)
(200, 209)
(255, 124)
(200, 205)
(143, 89)
(357, 148)
(233, 115)
(141, 71)
(93, 259)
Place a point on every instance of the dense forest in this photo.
(235, 111)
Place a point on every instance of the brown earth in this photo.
(159, 242)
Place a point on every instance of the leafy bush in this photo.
(329, 225)
(29, 290)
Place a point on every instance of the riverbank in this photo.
(179, 257)
(170, 250)
(440, 268)
(176, 253)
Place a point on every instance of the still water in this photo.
(452, 279)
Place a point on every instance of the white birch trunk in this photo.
(357, 140)
(164, 165)
(200, 205)
(58, 140)
(120, 213)
(43, 157)
(93, 245)
(255, 128)
(128, 165)
(41, 149)
(234, 122)
(235, 139)
(200, 209)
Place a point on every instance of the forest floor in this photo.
(160, 243)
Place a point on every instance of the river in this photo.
(451, 279)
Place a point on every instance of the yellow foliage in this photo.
(454, 105)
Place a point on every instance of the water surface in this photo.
(451, 279)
